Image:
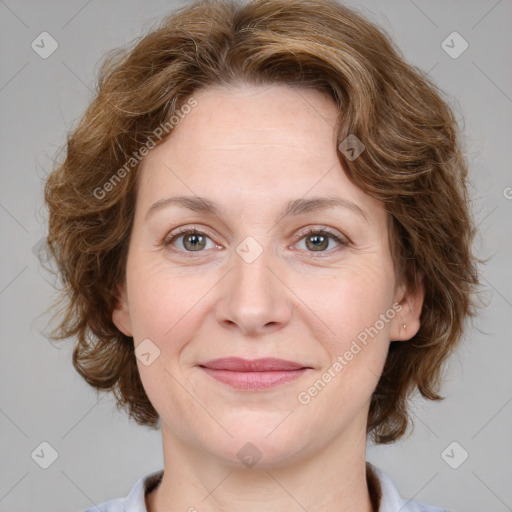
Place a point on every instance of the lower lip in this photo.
(255, 380)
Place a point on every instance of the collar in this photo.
(384, 494)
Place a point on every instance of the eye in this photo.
(318, 239)
(192, 240)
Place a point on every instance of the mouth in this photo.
(253, 375)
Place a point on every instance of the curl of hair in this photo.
(412, 162)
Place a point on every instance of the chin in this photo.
(256, 446)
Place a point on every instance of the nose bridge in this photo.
(251, 272)
(256, 299)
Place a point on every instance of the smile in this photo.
(255, 380)
(253, 375)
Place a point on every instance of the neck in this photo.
(332, 480)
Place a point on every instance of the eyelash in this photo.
(323, 230)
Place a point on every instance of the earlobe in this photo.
(121, 312)
(407, 322)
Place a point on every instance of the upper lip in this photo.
(237, 364)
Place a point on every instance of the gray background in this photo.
(100, 452)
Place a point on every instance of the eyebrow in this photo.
(293, 208)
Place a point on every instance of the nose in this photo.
(254, 298)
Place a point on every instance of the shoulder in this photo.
(135, 501)
(389, 497)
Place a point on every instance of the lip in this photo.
(256, 374)
(238, 364)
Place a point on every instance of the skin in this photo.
(251, 149)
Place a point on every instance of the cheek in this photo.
(358, 308)
(354, 300)
(159, 299)
(162, 311)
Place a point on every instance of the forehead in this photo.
(257, 144)
(273, 111)
(244, 120)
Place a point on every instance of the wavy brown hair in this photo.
(413, 163)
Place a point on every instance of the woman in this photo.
(262, 224)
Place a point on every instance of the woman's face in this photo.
(254, 284)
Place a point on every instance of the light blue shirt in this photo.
(389, 500)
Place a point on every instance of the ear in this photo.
(406, 322)
(121, 311)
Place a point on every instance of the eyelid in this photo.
(343, 239)
(186, 230)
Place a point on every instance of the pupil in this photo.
(196, 240)
(318, 238)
